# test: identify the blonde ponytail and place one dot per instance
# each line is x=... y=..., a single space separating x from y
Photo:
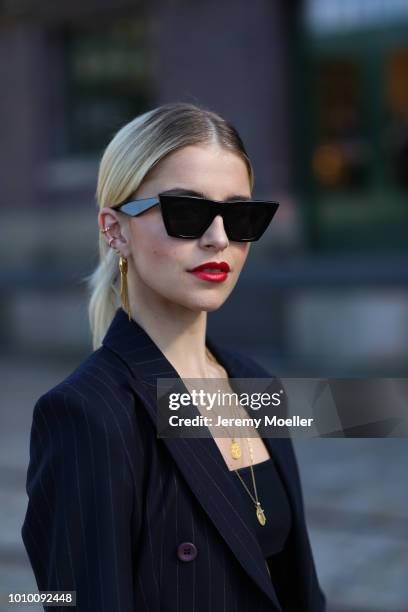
x=104 y=299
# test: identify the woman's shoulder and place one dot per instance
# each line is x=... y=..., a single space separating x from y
x=89 y=420
x=95 y=390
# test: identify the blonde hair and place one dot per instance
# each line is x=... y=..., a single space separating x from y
x=134 y=150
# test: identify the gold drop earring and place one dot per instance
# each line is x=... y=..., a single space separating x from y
x=123 y=267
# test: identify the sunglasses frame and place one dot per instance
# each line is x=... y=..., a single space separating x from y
x=134 y=208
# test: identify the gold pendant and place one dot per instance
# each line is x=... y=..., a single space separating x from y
x=235 y=450
x=260 y=514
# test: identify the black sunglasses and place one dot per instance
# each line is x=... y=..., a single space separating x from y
x=189 y=216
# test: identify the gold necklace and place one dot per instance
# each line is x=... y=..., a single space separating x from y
x=235 y=448
x=236 y=454
x=260 y=514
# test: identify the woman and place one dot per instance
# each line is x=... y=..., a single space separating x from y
x=129 y=520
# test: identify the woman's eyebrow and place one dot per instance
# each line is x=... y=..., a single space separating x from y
x=200 y=194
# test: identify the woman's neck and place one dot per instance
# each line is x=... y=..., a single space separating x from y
x=180 y=334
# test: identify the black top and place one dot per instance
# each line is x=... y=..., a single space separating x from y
x=273 y=535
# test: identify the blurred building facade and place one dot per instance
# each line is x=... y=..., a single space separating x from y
x=318 y=91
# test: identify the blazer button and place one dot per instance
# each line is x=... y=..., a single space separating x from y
x=186 y=551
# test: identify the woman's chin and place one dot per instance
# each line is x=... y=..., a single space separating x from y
x=208 y=305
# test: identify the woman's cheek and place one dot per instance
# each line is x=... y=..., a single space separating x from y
x=163 y=257
x=164 y=267
x=241 y=255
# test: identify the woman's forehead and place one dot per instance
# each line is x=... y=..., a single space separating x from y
x=177 y=190
x=203 y=172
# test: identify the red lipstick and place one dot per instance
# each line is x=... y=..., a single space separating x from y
x=212 y=271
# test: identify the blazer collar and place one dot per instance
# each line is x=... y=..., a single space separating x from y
x=214 y=488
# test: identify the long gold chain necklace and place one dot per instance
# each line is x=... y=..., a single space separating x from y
x=235 y=450
x=260 y=514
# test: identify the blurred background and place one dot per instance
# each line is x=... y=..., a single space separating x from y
x=318 y=90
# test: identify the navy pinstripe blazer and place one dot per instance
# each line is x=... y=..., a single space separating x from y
x=109 y=503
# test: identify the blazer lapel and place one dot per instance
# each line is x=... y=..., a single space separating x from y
x=198 y=459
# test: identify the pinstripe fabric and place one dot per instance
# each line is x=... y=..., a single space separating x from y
x=109 y=502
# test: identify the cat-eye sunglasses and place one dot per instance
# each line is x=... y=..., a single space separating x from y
x=186 y=216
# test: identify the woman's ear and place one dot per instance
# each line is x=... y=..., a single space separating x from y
x=114 y=227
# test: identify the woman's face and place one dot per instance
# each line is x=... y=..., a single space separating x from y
x=160 y=265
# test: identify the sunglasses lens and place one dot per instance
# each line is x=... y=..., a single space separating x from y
x=184 y=217
x=247 y=222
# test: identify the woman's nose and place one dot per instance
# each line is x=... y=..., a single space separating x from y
x=215 y=234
